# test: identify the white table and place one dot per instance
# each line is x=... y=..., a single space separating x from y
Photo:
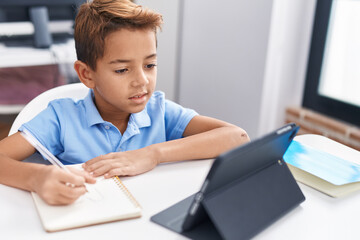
x=319 y=217
x=154 y=190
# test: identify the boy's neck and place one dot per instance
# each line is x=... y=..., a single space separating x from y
x=120 y=121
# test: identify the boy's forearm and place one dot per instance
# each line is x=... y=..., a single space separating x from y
x=18 y=174
x=200 y=146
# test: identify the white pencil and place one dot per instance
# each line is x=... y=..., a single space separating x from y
x=45 y=153
x=42 y=150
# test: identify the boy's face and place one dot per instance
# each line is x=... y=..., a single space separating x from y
x=125 y=76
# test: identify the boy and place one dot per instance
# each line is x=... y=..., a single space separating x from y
x=122 y=127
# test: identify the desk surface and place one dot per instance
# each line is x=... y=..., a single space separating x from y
x=319 y=217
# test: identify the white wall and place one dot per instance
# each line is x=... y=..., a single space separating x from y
x=223 y=53
x=237 y=60
x=289 y=43
x=168 y=44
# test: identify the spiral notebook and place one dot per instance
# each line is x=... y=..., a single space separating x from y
x=107 y=200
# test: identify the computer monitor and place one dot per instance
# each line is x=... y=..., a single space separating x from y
x=36 y=21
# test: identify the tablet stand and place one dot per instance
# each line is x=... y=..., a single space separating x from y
x=246 y=206
x=246 y=190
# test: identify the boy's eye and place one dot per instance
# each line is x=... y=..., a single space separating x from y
x=121 y=70
x=150 y=65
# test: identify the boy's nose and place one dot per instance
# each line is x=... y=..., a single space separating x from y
x=140 y=79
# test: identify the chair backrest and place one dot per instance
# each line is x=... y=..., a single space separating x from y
x=39 y=103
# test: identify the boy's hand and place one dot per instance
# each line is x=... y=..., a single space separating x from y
x=128 y=163
x=52 y=185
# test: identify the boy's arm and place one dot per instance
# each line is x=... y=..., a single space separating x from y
x=48 y=181
x=204 y=137
x=14 y=173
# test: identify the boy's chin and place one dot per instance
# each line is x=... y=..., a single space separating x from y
x=137 y=109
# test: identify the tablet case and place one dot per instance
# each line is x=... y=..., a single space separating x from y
x=244 y=206
x=247 y=206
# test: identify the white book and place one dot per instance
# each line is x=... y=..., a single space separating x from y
x=322 y=185
x=326 y=166
x=107 y=200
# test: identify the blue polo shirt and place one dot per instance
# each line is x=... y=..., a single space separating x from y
x=75 y=132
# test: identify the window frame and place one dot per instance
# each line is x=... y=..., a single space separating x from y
x=311 y=99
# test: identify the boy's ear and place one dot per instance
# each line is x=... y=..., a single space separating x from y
x=85 y=73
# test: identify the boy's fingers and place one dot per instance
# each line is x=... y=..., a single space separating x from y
x=65 y=195
x=64 y=200
x=72 y=178
x=89 y=178
x=101 y=170
x=72 y=193
x=99 y=158
x=110 y=167
x=85 y=174
x=59 y=200
x=120 y=171
x=95 y=166
x=96 y=159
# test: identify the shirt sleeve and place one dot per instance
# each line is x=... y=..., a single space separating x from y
x=45 y=127
x=176 y=119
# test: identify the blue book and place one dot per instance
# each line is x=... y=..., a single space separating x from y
x=323 y=171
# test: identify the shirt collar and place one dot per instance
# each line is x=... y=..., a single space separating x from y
x=140 y=119
x=92 y=114
x=136 y=121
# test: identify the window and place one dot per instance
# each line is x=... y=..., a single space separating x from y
x=333 y=75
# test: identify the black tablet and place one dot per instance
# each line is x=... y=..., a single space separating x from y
x=245 y=190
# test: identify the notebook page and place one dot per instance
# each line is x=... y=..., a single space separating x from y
x=106 y=201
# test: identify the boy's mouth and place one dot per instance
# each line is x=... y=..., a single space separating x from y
x=138 y=98
x=139 y=95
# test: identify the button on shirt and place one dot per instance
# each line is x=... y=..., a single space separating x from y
x=75 y=132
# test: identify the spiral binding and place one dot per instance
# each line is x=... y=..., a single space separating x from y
x=126 y=191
